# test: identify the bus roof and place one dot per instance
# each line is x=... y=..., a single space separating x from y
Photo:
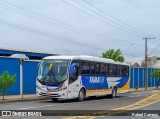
x=86 y=57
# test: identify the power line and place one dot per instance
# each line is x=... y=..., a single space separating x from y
x=154 y=49
x=117 y=20
x=42 y=33
x=29 y=13
x=102 y=20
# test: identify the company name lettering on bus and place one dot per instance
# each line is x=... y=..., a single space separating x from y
x=96 y=79
x=58 y=61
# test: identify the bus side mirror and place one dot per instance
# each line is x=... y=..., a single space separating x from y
x=73 y=70
x=38 y=66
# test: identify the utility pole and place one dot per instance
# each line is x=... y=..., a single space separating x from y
x=146 y=65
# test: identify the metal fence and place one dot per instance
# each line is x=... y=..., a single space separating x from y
x=30 y=68
x=137 y=77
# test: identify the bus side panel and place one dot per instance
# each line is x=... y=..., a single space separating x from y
x=99 y=85
x=95 y=85
x=125 y=87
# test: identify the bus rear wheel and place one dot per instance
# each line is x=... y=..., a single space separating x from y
x=114 y=92
x=81 y=95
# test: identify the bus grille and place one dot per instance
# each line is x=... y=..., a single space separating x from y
x=51 y=95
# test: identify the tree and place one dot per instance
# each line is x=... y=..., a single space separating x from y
x=114 y=55
x=6 y=81
x=156 y=74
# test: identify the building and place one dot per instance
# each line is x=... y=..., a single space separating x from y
x=33 y=55
x=152 y=62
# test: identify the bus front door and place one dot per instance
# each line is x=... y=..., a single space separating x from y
x=73 y=89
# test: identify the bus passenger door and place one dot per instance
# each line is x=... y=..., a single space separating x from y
x=73 y=84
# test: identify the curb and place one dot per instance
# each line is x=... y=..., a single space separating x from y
x=24 y=99
x=143 y=90
x=43 y=98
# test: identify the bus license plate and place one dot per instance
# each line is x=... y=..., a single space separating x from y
x=48 y=93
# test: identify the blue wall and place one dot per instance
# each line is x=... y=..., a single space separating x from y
x=137 y=77
x=29 y=77
x=30 y=68
x=13 y=67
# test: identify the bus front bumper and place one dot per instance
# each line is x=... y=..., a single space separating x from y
x=59 y=94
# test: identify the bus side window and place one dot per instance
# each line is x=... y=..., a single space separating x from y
x=125 y=70
x=114 y=69
x=85 y=68
x=74 y=75
x=118 y=70
x=102 y=69
x=110 y=69
x=107 y=69
x=97 y=70
x=92 y=68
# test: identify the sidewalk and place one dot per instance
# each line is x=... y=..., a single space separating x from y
x=143 y=89
x=17 y=98
x=33 y=97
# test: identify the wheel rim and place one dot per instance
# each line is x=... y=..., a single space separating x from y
x=114 y=92
x=81 y=94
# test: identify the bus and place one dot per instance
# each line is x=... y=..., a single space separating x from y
x=69 y=77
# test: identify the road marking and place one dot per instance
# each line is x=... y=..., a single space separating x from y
x=145 y=102
x=46 y=105
x=155 y=91
x=35 y=107
x=26 y=108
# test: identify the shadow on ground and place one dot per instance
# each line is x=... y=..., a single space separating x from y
x=74 y=100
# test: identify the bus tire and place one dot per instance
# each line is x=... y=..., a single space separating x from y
x=81 y=95
x=54 y=99
x=114 y=92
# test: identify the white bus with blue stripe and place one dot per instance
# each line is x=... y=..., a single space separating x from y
x=68 y=77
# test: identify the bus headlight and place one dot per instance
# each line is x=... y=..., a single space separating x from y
x=63 y=87
x=38 y=87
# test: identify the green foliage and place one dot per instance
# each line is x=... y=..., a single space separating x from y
x=6 y=81
x=114 y=55
x=156 y=74
x=136 y=88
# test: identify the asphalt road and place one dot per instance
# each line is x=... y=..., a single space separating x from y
x=98 y=103
x=144 y=111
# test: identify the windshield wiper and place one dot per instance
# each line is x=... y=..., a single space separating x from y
x=50 y=74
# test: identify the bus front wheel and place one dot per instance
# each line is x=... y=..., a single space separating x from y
x=81 y=95
x=54 y=99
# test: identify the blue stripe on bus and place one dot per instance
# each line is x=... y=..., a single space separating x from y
x=101 y=82
x=122 y=82
x=94 y=82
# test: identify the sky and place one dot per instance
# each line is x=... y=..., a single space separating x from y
x=81 y=27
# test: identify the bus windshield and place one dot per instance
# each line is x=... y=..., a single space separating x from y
x=53 y=71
